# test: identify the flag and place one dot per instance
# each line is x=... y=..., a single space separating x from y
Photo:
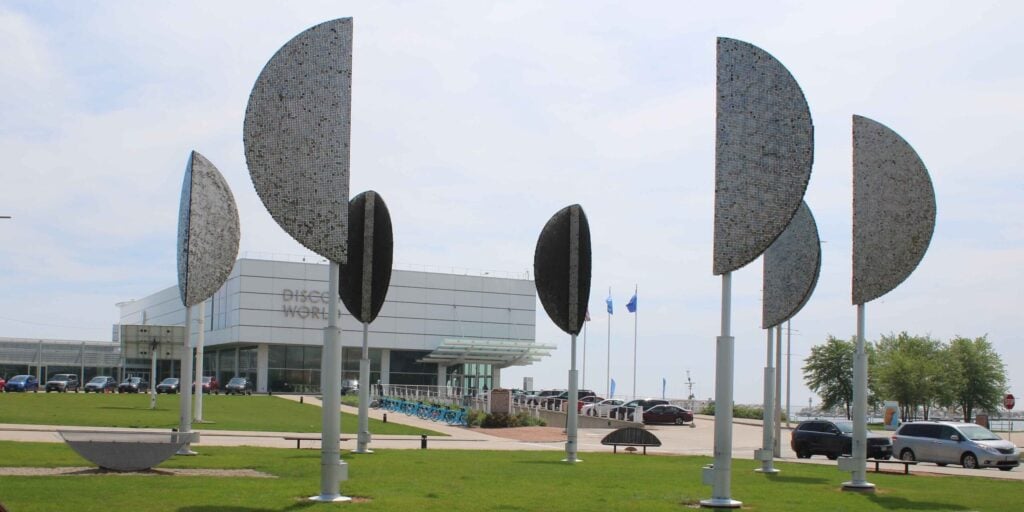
x=663 y=388
x=631 y=305
x=587 y=316
x=611 y=392
x=609 y=302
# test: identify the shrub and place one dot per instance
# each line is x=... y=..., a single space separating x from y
x=475 y=418
x=740 y=411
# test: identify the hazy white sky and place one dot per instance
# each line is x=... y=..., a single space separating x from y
x=477 y=121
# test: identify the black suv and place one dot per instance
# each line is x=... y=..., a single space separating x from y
x=833 y=439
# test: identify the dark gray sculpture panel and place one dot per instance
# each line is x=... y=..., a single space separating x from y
x=561 y=268
x=296 y=136
x=893 y=210
x=366 y=276
x=792 y=265
x=764 y=148
x=208 y=231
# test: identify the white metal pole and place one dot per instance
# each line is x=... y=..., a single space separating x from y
x=765 y=454
x=584 y=379
x=776 y=401
x=332 y=469
x=152 y=373
x=571 y=409
x=363 y=437
x=858 y=463
x=608 y=358
x=185 y=376
x=81 y=361
x=200 y=340
x=720 y=474
x=635 y=314
x=789 y=366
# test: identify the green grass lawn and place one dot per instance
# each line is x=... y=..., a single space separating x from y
x=454 y=480
x=223 y=412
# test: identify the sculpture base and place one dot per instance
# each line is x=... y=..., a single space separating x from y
x=859 y=486
x=330 y=498
x=720 y=503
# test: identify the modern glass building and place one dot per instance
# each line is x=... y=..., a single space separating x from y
x=267 y=322
x=45 y=358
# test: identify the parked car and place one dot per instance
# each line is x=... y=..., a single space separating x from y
x=668 y=414
x=168 y=385
x=601 y=408
x=3 y=382
x=587 y=400
x=833 y=439
x=133 y=385
x=626 y=409
x=101 y=384
x=210 y=385
x=538 y=398
x=349 y=386
x=62 y=383
x=552 y=400
x=943 y=442
x=238 y=386
x=22 y=383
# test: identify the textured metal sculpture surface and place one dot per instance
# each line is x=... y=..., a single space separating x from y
x=296 y=136
x=764 y=148
x=561 y=268
x=792 y=265
x=367 y=274
x=208 y=231
x=126 y=451
x=893 y=209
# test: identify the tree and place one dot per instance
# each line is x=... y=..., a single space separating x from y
x=908 y=369
x=978 y=375
x=829 y=373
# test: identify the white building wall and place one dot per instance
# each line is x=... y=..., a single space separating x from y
x=280 y=302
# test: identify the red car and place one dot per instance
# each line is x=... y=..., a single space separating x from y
x=668 y=414
x=3 y=381
x=210 y=385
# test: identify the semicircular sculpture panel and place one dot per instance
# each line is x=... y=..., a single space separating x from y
x=562 y=266
x=366 y=276
x=208 y=231
x=296 y=136
x=764 y=149
x=893 y=209
x=792 y=265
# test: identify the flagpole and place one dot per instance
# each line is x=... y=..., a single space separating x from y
x=608 y=359
x=635 y=313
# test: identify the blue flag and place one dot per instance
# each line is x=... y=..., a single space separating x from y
x=609 y=302
x=611 y=392
x=663 y=388
x=631 y=305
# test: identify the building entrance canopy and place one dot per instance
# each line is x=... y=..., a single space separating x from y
x=498 y=353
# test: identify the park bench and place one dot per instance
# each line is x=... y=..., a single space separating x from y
x=630 y=436
x=906 y=464
x=299 y=439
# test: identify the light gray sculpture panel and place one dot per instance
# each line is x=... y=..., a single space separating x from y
x=126 y=451
x=893 y=209
x=296 y=136
x=764 y=148
x=208 y=231
x=792 y=265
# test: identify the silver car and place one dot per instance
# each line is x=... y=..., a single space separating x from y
x=942 y=442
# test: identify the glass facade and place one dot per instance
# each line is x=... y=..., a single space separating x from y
x=470 y=378
x=406 y=370
x=293 y=368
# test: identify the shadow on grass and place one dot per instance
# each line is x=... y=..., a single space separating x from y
x=897 y=503
x=798 y=479
x=222 y=508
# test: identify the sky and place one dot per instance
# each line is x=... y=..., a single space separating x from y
x=477 y=121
